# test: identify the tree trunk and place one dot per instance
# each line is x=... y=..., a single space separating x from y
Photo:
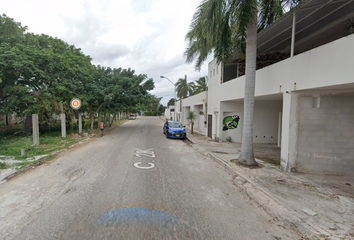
x=247 y=154
x=92 y=120
x=6 y=120
x=192 y=129
x=112 y=120
x=95 y=114
x=99 y=120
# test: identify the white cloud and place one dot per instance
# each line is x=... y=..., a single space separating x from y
x=145 y=35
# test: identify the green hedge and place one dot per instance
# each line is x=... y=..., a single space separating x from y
x=150 y=114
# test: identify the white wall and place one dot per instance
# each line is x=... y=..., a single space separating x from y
x=196 y=103
x=266 y=120
x=328 y=65
x=265 y=127
x=231 y=108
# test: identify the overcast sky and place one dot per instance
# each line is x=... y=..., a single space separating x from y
x=145 y=35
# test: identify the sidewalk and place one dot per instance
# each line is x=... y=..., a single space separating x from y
x=315 y=206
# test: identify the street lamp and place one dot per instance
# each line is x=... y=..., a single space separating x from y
x=174 y=95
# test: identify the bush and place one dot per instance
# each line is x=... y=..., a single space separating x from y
x=150 y=114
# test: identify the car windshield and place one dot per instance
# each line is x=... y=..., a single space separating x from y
x=175 y=125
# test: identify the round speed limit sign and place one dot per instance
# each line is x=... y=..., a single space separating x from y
x=75 y=103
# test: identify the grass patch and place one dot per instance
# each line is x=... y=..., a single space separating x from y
x=49 y=139
x=3 y=165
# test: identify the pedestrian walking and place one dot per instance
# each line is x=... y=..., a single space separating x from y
x=102 y=126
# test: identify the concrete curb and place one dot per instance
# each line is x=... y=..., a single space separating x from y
x=263 y=198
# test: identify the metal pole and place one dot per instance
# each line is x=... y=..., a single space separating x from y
x=175 y=102
x=293 y=35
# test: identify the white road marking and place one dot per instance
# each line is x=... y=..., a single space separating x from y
x=138 y=163
x=147 y=153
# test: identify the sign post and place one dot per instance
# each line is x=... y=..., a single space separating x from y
x=75 y=104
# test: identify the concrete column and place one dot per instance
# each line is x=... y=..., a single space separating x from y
x=279 y=129
x=35 y=129
x=63 y=125
x=80 y=123
x=99 y=120
x=289 y=131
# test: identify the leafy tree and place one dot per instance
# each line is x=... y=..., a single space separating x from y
x=184 y=88
x=41 y=74
x=152 y=103
x=118 y=90
x=171 y=102
x=161 y=109
x=191 y=118
x=226 y=27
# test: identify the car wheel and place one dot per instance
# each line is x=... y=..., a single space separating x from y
x=163 y=131
x=166 y=135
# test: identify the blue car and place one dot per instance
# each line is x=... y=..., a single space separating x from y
x=174 y=129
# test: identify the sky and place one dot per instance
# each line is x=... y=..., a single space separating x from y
x=147 y=36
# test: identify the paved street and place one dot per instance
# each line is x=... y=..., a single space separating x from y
x=132 y=183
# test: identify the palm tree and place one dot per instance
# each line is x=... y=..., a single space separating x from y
x=229 y=27
x=201 y=85
x=191 y=118
x=184 y=89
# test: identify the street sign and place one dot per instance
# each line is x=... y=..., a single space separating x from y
x=75 y=103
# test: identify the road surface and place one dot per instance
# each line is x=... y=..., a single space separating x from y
x=132 y=183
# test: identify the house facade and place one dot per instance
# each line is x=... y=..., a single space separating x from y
x=304 y=96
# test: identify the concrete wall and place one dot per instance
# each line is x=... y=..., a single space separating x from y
x=328 y=65
x=231 y=108
x=326 y=68
x=196 y=103
x=199 y=122
x=266 y=116
x=325 y=133
x=266 y=120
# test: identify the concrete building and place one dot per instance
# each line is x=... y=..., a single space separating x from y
x=304 y=96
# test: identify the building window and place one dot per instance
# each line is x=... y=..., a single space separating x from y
x=217 y=70
x=211 y=74
x=214 y=72
x=230 y=72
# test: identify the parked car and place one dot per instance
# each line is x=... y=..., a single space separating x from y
x=174 y=129
x=132 y=117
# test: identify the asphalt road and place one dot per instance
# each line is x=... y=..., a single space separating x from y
x=101 y=191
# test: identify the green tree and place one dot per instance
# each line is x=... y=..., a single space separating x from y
x=171 y=102
x=226 y=27
x=201 y=85
x=184 y=88
x=191 y=118
x=161 y=109
x=41 y=74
